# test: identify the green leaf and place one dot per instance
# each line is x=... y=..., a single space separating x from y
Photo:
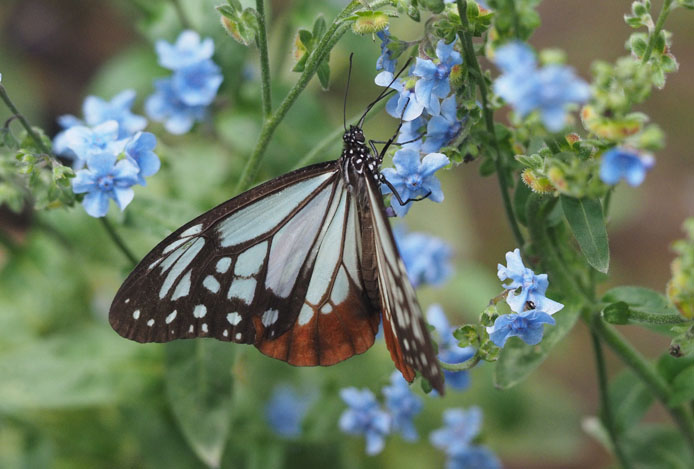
x=324 y=74
x=487 y=167
x=319 y=27
x=640 y=299
x=630 y=400
x=199 y=390
x=657 y=447
x=670 y=367
x=588 y=226
x=518 y=359
x=682 y=388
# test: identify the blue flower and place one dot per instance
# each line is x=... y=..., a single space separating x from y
x=434 y=80
x=449 y=351
x=532 y=287
x=187 y=50
x=103 y=180
x=404 y=103
x=427 y=258
x=412 y=132
x=286 y=410
x=527 y=88
x=403 y=405
x=622 y=163
x=413 y=178
x=197 y=84
x=456 y=437
x=97 y=110
x=528 y=325
x=81 y=142
x=443 y=128
x=385 y=60
x=139 y=151
x=166 y=106
x=365 y=417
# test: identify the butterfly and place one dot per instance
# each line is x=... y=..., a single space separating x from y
x=303 y=266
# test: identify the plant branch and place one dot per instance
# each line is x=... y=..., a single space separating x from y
x=118 y=241
x=264 y=59
x=655 y=318
x=653 y=37
x=471 y=58
x=644 y=370
x=607 y=415
x=466 y=365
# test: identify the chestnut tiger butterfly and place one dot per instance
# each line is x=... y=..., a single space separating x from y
x=303 y=266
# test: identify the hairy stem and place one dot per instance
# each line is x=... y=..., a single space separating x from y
x=653 y=37
x=118 y=241
x=655 y=318
x=607 y=415
x=337 y=29
x=466 y=365
x=471 y=59
x=264 y=59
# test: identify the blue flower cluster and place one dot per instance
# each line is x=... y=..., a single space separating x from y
x=623 y=163
x=528 y=88
x=526 y=297
x=182 y=99
x=109 y=150
x=365 y=416
x=456 y=439
x=427 y=258
x=430 y=120
x=449 y=352
x=286 y=410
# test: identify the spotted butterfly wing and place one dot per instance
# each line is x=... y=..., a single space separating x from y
x=300 y=266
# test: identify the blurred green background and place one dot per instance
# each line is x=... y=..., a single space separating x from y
x=74 y=394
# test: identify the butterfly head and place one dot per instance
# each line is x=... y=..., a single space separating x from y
x=354 y=136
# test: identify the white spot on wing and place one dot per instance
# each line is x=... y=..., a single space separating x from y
x=270 y=317
x=127 y=300
x=238 y=336
x=340 y=287
x=211 y=284
x=234 y=318
x=327 y=308
x=190 y=329
x=250 y=261
x=305 y=315
x=204 y=327
x=171 y=317
x=150 y=323
x=183 y=287
x=243 y=289
x=136 y=314
x=174 y=245
x=223 y=265
x=225 y=333
x=200 y=311
x=193 y=230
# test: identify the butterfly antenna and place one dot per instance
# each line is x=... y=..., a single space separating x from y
x=385 y=92
x=344 y=105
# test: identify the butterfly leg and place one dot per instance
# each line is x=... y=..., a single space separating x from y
x=382 y=179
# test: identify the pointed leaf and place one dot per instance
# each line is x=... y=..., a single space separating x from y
x=199 y=390
x=324 y=74
x=588 y=226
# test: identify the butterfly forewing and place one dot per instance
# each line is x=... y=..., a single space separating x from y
x=404 y=329
x=263 y=268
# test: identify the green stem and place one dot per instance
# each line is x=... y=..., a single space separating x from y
x=662 y=16
x=181 y=14
x=118 y=240
x=515 y=18
x=339 y=26
x=466 y=365
x=264 y=59
x=607 y=415
x=644 y=370
x=335 y=135
x=471 y=59
x=34 y=136
x=655 y=318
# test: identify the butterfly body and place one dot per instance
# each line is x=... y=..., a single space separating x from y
x=304 y=267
